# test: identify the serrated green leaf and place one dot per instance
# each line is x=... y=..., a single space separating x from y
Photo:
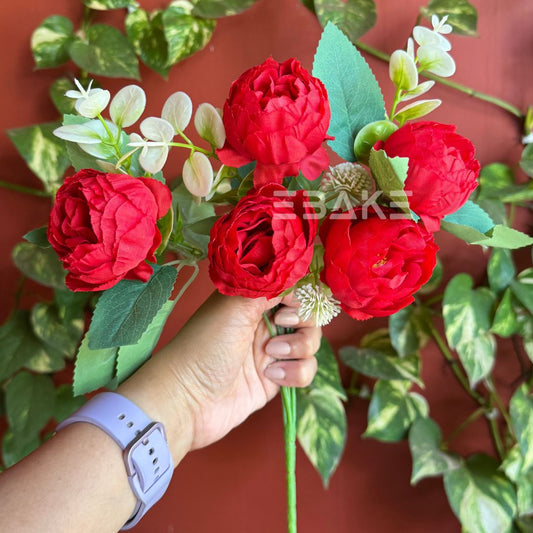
x=428 y=459
x=505 y=322
x=354 y=95
x=220 y=8
x=498 y=237
x=390 y=174
x=130 y=358
x=29 y=402
x=471 y=215
x=105 y=51
x=500 y=269
x=18 y=343
x=124 y=311
x=15 y=447
x=406 y=329
x=521 y=411
x=462 y=15
x=467 y=323
x=43 y=152
x=379 y=365
x=526 y=160
x=353 y=17
x=50 y=42
x=481 y=497
x=522 y=288
x=39 y=264
x=61 y=335
x=104 y=5
x=146 y=34
x=392 y=410
x=185 y=33
x=94 y=368
x=66 y=403
x=321 y=429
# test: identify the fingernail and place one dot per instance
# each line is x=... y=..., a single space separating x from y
x=275 y=373
x=278 y=348
x=286 y=319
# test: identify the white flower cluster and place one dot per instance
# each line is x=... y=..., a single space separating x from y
x=106 y=140
x=317 y=301
x=431 y=56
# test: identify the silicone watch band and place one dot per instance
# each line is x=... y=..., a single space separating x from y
x=146 y=455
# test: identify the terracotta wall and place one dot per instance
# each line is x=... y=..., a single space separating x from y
x=237 y=485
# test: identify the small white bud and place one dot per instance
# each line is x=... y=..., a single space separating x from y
x=318 y=302
x=157 y=129
x=209 y=125
x=198 y=174
x=127 y=106
x=436 y=61
x=424 y=36
x=402 y=70
x=178 y=110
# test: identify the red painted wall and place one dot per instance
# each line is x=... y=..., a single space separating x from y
x=237 y=485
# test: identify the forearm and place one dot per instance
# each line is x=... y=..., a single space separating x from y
x=77 y=480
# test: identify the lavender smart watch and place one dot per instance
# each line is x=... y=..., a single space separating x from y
x=146 y=455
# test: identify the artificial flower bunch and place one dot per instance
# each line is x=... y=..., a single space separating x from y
x=356 y=235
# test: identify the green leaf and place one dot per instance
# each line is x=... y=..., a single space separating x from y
x=66 y=403
x=376 y=364
x=321 y=429
x=185 y=33
x=521 y=411
x=94 y=368
x=15 y=447
x=29 y=401
x=505 y=322
x=353 y=17
x=61 y=335
x=50 y=42
x=130 y=358
x=428 y=459
x=104 y=5
x=38 y=236
x=18 y=343
x=470 y=214
x=481 y=497
x=220 y=8
x=392 y=410
x=467 y=319
x=498 y=237
x=43 y=152
x=526 y=161
x=500 y=269
x=124 y=311
x=146 y=34
x=354 y=95
x=327 y=377
x=390 y=174
x=39 y=264
x=462 y=15
x=63 y=104
x=105 y=51
x=522 y=288
x=493 y=179
x=406 y=328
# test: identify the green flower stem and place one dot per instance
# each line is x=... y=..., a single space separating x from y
x=454 y=85
x=288 y=400
x=500 y=405
x=25 y=190
x=191 y=147
x=471 y=418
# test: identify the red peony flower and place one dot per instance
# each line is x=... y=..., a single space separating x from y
x=442 y=169
x=373 y=266
x=103 y=228
x=264 y=245
x=278 y=115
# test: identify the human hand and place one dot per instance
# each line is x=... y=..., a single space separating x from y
x=226 y=366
